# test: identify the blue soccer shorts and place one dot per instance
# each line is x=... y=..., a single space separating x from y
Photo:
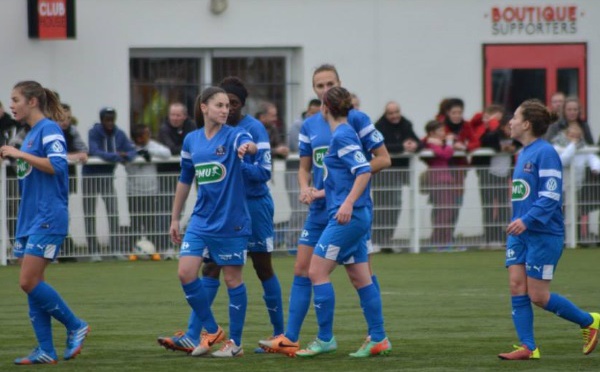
x=538 y=252
x=261 y=213
x=222 y=251
x=45 y=246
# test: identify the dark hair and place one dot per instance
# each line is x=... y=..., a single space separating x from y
x=326 y=67
x=314 y=102
x=48 y=102
x=235 y=85
x=263 y=108
x=203 y=98
x=66 y=106
x=535 y=112
x=338 y=101
x=453 y=102
x=432 y=125
x=138 y=130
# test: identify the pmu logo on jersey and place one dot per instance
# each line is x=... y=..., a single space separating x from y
x=319 y=156
x=220 y=151
x=209 y=173
x=23 y=169
x=520 y=189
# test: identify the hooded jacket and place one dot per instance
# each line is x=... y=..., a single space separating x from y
x=107 y=147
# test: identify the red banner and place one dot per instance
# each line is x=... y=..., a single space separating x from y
x=52 y=18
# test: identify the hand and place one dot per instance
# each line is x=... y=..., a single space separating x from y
x=517 y=227
x=174 y=232
x=459 y=146
x=344 y=214
x=9 y=151
x=281 y=151
x=243 y=149
x=306 y=195
x=434 y=141
x=145 y=154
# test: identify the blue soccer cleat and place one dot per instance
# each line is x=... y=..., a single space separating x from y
x=38 y=356
x=75 y=340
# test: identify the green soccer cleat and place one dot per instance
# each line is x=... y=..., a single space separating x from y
x=590 y=334
x=521 y=353
x=371 y=348
x=318 y=347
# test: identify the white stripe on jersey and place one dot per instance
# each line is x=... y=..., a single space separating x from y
x=263 y=146
x=550 y=173
x=366 y=130
x=303 y=138
x=353 y=169
x=551 y=195
x=347 y=150
x=53 y=137
x=185 y=155
x=57 y=155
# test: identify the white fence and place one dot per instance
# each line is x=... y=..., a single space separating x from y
x=472 y=211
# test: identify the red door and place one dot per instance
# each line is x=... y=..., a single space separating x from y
x=516 y=72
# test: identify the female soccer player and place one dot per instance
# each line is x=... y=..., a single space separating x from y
x=220 y=223
x=314 y=139
x=43 y=218
x=257 y=172
x=344 y=241
x=536 y=234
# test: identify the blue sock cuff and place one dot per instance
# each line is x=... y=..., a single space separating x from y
x=367 y=290
x=38 y=288
x=272 y=281
x=237 y=290
x=522 y=300
x=210 y=282
x=302 y=280
x=192 y=286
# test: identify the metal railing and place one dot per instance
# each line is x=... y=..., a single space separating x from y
x=415 y=209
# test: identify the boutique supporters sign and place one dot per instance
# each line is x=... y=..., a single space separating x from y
x=534 y=20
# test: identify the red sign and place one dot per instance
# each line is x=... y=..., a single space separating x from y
x=52 y=18
x=531 y=20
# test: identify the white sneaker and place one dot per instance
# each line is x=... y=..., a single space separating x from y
x=229 y=350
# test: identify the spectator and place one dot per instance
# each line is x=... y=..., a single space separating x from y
x=440 y=183
x=142 y=186
x=567 y=143
x=494 y=176
x=171 y=134
x=9 y=128
x=110 y=144
x=77 y=150
x=557 y=103
x=355 y=101
x=267 y=115
x=399 y=138
x=571 y=115
x=314 y=105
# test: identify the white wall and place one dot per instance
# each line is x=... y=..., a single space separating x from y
x=412 y=51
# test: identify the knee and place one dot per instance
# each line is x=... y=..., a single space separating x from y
x=301 y=268
x=232 y=280
x=317 y=276
x=517 y=287
x=264 y=270
x=539 y=299
x=186 y=276
x=211 y=270
x=28 y=284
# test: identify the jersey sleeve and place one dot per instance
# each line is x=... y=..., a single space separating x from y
x=55 y=148
x=187 y=165
x=549 y=190
x=258 y=167
x=348 y=149
x=370 y=137
x=304 y=145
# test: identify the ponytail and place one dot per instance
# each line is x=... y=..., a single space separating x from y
x=54 y=109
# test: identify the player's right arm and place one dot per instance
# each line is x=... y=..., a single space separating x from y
x=182 y=191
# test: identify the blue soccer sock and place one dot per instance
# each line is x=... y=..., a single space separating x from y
x=370 y=301
x=272 y=297
x=300 y=295
x=522 y=314
x=564 y=308
x=324 y=304
x=238 y=301
x=211 y=287
x=376 y=282
x=50 y=301
x=42 y=326
x=197 y=299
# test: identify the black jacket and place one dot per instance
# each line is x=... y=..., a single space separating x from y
x=173 y=139
x=394 y=136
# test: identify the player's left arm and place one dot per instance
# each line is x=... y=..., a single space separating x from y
x=381 y=159
x=244 y=145
x=371 y=139
x=549 y=190
x=259 y=170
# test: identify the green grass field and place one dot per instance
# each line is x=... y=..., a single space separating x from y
x=447 y=311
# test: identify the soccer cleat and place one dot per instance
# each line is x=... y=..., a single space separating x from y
x=207 y=340
x=318 y=347
x=229 y=350
x=372 y=348
x=521 y=353
x=75 y=340
x=179 y=342
x=38 y=356
x=590 y=334
x=280 y=344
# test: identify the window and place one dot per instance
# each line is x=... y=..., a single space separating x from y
x=159 y=77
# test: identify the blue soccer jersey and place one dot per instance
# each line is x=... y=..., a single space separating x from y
x=257 y=167
x=314 y=139
x=537 y=189
x=44 y=207
x=221 y=208
x=343 y=162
